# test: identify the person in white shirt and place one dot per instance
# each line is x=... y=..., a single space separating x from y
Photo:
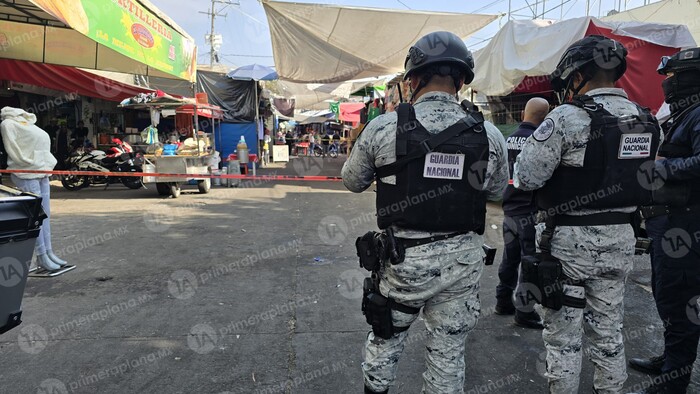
x=28 y=148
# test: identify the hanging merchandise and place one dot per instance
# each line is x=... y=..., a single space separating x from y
x=104 y=122
x=149 y=135
x=335 y=108
x=155 y=116
x=261 y=129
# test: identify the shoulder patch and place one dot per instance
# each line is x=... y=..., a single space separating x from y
x=544 y=131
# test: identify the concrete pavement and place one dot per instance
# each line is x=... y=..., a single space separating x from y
x=248 y=290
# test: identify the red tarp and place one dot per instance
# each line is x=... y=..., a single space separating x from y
x=641 y=81
x=203 y=112
x=67 y=79
x=350 y=112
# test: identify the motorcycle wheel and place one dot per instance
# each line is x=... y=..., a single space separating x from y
x=318 y=152
x=333 y=154
x=74 y=182
x=204 y=186
x=133 y=182
x=163 y=189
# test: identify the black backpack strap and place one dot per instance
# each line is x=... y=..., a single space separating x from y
x=405 y=123
x=472 y=120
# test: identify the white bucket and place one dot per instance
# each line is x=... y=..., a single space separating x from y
x=216 y=181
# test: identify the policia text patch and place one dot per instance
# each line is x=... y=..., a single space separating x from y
x=634 y=146
x=443 y=165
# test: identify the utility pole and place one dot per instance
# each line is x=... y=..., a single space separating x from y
x=215 y=40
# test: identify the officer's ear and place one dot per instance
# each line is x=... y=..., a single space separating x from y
x=460 y=84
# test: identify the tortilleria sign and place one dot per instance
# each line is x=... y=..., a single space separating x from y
x=131 y=29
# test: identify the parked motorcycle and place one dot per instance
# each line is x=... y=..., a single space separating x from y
x=332 y=150
x=120 y=158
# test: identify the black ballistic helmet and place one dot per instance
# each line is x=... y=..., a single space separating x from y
x=601 y=52
x=440 y=47
x=680 y=61
x=682 y=87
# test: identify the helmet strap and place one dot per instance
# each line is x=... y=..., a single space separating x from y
x=423 y=83
x=584 y=81
x=428 y=76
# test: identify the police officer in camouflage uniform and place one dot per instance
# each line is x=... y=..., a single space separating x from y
x=584 y=165
x=435 y=204
x=673 y=223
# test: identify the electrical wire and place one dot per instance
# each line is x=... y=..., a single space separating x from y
x=404 y=4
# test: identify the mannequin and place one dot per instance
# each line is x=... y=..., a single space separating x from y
x=28 y=148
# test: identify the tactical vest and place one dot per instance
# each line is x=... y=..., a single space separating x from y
x=439 y=177
x=674 y=150
x=618 y=150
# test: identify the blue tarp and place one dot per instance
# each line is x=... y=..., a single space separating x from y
x=228 y=135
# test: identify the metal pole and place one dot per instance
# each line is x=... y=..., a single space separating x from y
x=561 y=10
x=211 y=35
x=544 y=8
x=509 y=8
x=588 y=7
x=257 y=113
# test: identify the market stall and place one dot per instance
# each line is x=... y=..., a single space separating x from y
x=507 y=65
x=184 y=159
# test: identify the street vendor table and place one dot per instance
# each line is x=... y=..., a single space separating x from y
x=303 y=147
x=200 y=158
x=251 y=156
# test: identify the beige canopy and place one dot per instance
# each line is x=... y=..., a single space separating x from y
x=321 y=43
x=675 y=12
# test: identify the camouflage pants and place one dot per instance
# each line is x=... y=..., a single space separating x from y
x=601 y=257
x=442 y=278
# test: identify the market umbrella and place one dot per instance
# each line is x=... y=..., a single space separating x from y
x=255 y=72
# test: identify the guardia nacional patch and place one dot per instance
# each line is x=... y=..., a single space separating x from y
x=544 y=131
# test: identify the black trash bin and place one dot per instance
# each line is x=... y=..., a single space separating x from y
x=20 y=221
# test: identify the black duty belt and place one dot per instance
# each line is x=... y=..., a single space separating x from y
x=659 y=210
x=596 y=219
x=413 y=242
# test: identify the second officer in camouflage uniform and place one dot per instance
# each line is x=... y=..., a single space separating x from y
x=439 y=276
x=590 y=187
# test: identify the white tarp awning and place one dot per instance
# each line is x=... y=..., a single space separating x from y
x=316 y=96
x=321 y=43
x=680 y=12
x=533 y=48
x=308 y=117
